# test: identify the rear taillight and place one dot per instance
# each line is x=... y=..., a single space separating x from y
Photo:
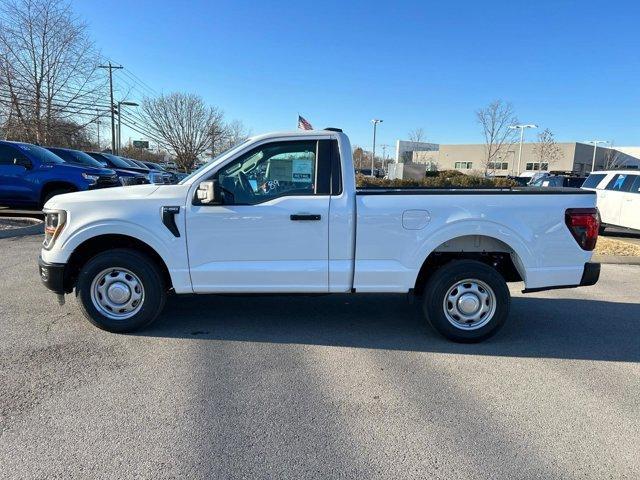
x=584 y=224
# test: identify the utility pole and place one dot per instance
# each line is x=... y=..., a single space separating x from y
x=113 y=120
x=98 y=123
x=595 y=147
x=375 y=122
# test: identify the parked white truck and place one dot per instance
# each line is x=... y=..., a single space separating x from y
x=281 y=213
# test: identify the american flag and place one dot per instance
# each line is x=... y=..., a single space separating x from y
x=303 y=124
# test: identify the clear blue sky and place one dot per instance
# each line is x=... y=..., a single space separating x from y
x=571 y=66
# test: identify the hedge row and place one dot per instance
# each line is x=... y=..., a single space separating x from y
x=444 y=179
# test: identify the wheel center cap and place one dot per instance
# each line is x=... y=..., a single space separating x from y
x=118 y=292
x=468 y=304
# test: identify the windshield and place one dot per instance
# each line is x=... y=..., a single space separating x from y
x=117 y=161
x=132 y=163
x=77 y=157
x=214 y=159
x=41 y=154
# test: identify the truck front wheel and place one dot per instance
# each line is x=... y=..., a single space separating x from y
x=466 y=301
x=120 y=290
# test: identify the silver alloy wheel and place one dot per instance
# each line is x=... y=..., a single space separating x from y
x=117 y=293
x=469 y=304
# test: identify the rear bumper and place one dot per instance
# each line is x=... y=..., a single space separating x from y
x=52 y=275
x=590 y=276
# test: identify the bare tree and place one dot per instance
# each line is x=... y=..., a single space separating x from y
x=359 y=158
x=495 y=120
x=183 y=123
x=227 y=135
x=546 y=150
x=612 y=159
x=417 y=135
x=48 y=70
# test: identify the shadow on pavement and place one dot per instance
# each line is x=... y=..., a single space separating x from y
x=537 y=327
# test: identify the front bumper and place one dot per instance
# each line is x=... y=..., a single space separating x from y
x=590 y=276
x=52 y=276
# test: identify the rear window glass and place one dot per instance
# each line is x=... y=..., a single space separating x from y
x=593 y=180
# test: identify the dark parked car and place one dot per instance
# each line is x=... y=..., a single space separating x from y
x=157 y=166
x=168 y=176
x=114 y=161
x=76 y=157
x=572 y=181
x=30 y=175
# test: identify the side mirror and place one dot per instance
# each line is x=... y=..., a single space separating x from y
x=23 y=162
x=104 y=164
x=208 y=193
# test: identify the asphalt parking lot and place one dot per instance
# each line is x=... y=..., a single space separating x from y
x=324 y=387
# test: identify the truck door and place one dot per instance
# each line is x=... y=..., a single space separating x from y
x=630 y=213
x=610 y=199
x=270 y=232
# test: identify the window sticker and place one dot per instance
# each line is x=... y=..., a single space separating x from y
x=301 y=170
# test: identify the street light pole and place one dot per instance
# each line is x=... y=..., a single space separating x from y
x=521 y=127
x=130 y=104
x=595 y=147
x=375 y=122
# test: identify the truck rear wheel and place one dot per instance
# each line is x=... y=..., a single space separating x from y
x=466 y=301
x=120 y=290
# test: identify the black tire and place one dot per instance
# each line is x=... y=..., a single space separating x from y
x=49 y=195
x=481 y=276
x=149 y=276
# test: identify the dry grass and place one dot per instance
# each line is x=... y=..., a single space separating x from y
x=611 y=246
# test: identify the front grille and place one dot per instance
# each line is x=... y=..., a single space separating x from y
x=105 y=181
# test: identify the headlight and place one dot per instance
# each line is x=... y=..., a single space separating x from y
x=54 y=221
x=155 y=178
x=91 y=178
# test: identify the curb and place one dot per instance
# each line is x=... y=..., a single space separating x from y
x=616 y=260
x=36 y=229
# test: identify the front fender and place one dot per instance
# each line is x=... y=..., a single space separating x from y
x=171 y=249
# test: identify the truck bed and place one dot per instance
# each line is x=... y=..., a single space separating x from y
x=472 y=191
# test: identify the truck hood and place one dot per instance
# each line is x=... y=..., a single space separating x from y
x=114 y=194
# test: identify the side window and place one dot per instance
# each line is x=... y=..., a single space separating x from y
x=8 y=154
x=269 y=171
x=628 y=183
x=635 y=188
x=616 y=182
x=593 y=180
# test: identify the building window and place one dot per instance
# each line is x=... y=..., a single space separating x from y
x=498 y=166
x=463 y=165
x=535 y=166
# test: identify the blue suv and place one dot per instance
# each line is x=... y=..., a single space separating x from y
x=30 y=175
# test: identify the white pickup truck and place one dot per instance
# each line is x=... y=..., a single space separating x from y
x=281 y=213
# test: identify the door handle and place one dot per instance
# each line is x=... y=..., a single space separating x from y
x=300 y=216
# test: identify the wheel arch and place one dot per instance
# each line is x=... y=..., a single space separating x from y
x=55 y=185
x=487 y=249
x=104 y=242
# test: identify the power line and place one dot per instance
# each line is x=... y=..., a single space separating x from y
x=72 y=103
